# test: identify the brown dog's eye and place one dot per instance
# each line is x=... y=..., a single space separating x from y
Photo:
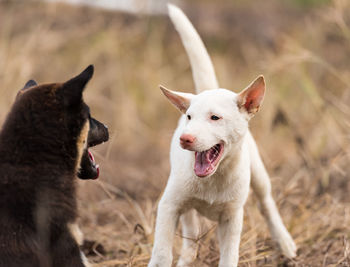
x=214 y=118
x=188 y=117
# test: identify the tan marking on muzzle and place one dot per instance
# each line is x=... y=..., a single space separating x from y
x=82 y=143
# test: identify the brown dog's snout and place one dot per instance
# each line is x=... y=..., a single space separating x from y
x=187 y=140
x=98 y=133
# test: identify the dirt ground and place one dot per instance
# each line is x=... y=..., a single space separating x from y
x=303 y=129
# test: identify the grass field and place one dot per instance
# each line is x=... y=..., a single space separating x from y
x=303 y=130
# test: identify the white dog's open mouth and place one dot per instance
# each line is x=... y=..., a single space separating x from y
x=207 y=161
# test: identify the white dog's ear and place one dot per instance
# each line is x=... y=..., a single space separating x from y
x=250 y=99
x=180 y=100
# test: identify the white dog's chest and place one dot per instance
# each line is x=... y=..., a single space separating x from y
x=221 y=192
x=211 y=198
x=211 y=211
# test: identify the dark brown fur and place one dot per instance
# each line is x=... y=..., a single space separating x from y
x=38 y=159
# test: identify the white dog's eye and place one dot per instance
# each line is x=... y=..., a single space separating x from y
x=188 y=117
x=214 y=118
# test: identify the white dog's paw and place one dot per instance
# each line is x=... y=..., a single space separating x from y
x=187 y=257
x=158 y=264
x=184 y=262
x=160 y=261
x=287 y=245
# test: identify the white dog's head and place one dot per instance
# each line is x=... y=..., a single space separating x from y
x=216 y=120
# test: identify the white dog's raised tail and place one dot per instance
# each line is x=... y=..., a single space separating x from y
x=202 y=67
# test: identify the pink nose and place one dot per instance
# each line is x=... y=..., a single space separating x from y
x=187 y=139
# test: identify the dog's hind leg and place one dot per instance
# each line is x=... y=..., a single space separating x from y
x=229 y=234
x=262 y=188
x=190 y=231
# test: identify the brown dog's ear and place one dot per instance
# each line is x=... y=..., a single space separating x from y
x=30 y=83
x=72 y=90
x=250 y=99
x=180 y=100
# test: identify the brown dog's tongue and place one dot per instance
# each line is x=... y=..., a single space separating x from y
x=94 y=163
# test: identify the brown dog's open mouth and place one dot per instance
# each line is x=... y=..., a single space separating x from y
x=98 y=134
x=88 y=167
x=207 y=161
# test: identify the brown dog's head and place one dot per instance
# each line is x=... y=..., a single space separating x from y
x=52 y=126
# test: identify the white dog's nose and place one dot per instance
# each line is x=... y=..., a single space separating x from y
x=187 y=140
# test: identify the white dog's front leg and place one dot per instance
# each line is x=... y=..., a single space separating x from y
x=167 y=218
x=229 y=233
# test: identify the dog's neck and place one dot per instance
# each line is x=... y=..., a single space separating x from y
x=232 y=159
x=25 y=150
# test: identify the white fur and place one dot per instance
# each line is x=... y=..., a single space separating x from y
x=79 y=238
x=151 y=7
x=202 y=69
x=221 y=195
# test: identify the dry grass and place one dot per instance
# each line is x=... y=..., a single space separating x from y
x=302 y=130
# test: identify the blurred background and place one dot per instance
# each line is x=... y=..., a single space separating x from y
x=303 y=129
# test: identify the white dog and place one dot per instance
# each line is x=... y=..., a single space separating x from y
x=213 y=156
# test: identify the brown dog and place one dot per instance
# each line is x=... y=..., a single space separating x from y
x=43 y=146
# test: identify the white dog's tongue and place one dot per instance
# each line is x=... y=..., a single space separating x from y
x=202 y=165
